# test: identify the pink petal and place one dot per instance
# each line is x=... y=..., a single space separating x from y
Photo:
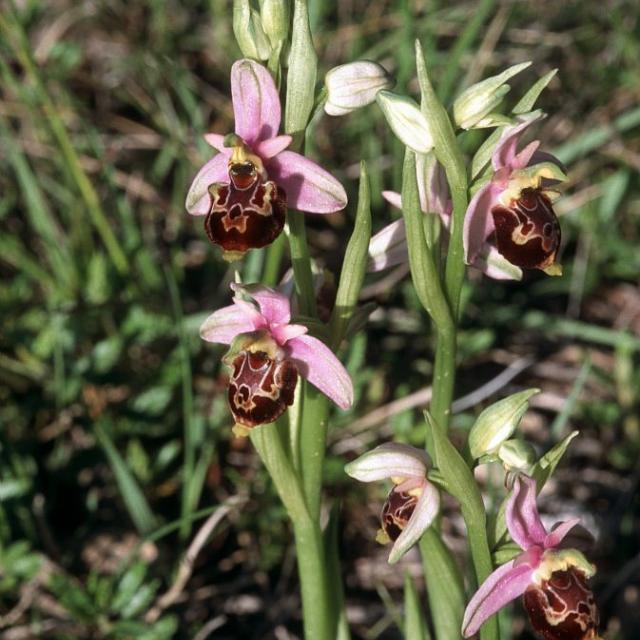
x=478 y=221
x=423 y=515
x=493 y=264
x=308 y=186
x=216 y=140
x=274 y=306
x=225 y=324
x=505 y=151
x=282 y=333
x=523 y=519
x=272 y=147
x=505 y=584
x=388 y=247
x=555 y=537
x=522 y=159
x=198 y=200
x=389 y=460
x=317 y=363
x=393 y=198
x=256 y=104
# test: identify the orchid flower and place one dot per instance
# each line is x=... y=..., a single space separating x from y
x=388 y=247
x=412 y=504
x=244 y=190
x=516 y=205
x=556 y=595
x=268 y=353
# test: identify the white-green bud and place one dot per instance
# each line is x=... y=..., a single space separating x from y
x=498 y=422
x=474 y=105
x=406 y=120
x=275 y=20
x=354 y=85
x=517 y=454
x=247 y=28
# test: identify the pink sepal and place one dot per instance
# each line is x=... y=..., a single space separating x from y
x=505 y=584
x=308 y=186
x=523 y=519
x=198 y=200
x=318 y=364
x=256 y=104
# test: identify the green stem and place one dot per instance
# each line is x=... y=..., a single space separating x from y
x=444 y=376
x=272 y=262
x=313 y=443
x=319 y=623
x=301 y=264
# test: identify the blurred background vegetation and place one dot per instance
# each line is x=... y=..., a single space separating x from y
x=115 y=440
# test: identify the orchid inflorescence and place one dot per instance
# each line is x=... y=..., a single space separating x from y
x=506 y=224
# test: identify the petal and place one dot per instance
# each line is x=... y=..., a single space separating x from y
x=389 y=460
x=198 y=200
x=272 y=147
x=216 y=140
x=478 y=221
x=423 y=515
x=492 y=263
x=522 y=159
x=256 y=104
x=317 y=363
x=523 y=519
x=285 y=332
x=225 y=324
x=274 y=306
x=557 y=534
x=307 y=185
x=388 y=247
x=504 y=585
x=393 y=198
x=505 y=152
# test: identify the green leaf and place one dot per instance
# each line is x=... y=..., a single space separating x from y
x=529 y=98
x=354 y=264
x=134 y=499
x=415 y=627
x=444 y=585
x=128 y=585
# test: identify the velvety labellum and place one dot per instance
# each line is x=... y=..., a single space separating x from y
x=527 y=232
x=246 y=213
x=396 y=512
x=563 y=607
x=260 y=388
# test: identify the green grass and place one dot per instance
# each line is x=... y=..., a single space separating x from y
x=113 y=416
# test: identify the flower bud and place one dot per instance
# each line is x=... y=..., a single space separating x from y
x=354 y=85
x=247 y=28
x=478 y=101
x=406 y=120
x=517 y=454
x=563 y=607
x=275 y=20
x=498 y=422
